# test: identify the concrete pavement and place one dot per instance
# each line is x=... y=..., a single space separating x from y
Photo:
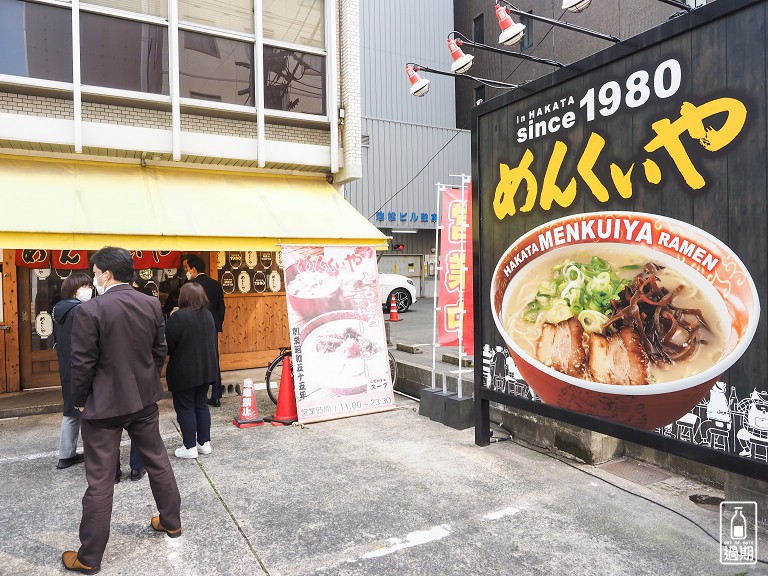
x=385 y=494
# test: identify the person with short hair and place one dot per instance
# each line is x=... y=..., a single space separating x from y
x=192 y=367
x=75 y=290
x=194 y=267
x=118 y=351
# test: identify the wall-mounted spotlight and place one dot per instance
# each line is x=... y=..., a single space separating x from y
x=511 y=32
x=576 y=5
x=504 y=11
x=580 y=5
x=461 y=62
x=419 y=85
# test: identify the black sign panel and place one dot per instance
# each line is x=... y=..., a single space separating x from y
x=620 y=241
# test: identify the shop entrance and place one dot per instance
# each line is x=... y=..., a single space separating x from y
x=38 y=291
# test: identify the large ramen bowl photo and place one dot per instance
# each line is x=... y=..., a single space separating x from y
x=626 y=316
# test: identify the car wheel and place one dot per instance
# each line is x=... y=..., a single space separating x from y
x=402 y=299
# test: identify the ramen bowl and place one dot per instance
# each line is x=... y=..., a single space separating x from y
x=311 y=293
x=343 y=366
x=704 y=261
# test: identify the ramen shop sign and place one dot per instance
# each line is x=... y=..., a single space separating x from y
x=693 y=125
x=612 y=229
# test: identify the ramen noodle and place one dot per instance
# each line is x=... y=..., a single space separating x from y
x=587 y=284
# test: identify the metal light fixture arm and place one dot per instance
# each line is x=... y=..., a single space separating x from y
x=461 y=39
x=490 y=83
x=676 y=4
x=560 y=23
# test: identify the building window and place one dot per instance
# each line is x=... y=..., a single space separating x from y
x=148 y=7
x=123 y=54
x=35 y=41
x=527 y=40
x=295 y=21
x=479 y=95
x=216 y=69
x=478 y=32
x=235 y=15
x=294 y=81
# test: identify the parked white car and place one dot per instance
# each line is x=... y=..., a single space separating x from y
x=401 y=287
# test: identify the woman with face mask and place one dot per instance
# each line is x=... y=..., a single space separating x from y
x=75 y=289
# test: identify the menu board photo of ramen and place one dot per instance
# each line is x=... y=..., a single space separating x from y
x=338 y=340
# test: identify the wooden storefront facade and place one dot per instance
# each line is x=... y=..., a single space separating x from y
x=255 y=326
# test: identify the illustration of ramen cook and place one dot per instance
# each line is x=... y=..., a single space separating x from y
x=613 y=321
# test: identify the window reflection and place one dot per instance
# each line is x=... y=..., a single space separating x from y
x=124 y=54
x=236 y=15
x=35 y=41
x=150 y=7
x=215 y=69
x=296 y=21
x=294 y=81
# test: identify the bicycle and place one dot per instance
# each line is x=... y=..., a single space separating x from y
x=285 y=351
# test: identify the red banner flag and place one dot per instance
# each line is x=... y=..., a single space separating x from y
x=70 y=259
x=33 y=258
x=143 y=259
x=455 y=298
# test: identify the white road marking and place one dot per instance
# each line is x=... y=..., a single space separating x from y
x=412 y=539
x=510 y=511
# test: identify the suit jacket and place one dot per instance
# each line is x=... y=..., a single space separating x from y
x=192 y=341
x=215 y=298
x=118 y=350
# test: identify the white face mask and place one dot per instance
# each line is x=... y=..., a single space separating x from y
x=84 y=294
x=100 y=288
x=189 y=275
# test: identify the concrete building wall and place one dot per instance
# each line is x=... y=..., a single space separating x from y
x=409 y=144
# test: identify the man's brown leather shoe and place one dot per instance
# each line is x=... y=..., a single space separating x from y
x=69 y=558
x=160 y=528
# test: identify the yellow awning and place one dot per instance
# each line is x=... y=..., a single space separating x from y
x=83 y=205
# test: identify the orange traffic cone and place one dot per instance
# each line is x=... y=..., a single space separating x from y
x=393 y=315
x=286 y=398
x=249 y=413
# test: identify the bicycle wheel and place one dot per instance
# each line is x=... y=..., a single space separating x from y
x=268 y=377
x=392 y=368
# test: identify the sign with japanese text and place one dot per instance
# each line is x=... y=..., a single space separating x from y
x=620 y=241
x=455 y=298
x=33 y=258
x=338 y=341
x=145 y=259
x=70 y=260
x=250 y=272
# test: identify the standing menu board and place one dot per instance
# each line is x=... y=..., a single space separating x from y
x=340 y=358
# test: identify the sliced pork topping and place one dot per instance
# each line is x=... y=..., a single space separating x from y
x=618 y=358
x=561 y=347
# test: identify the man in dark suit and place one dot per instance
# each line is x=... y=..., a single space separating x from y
x=118 y=350
x=194 y=268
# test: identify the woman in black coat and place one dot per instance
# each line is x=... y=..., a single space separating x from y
x=192 y=367
x=75 y=289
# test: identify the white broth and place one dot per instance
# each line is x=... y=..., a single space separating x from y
x=698 y=293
